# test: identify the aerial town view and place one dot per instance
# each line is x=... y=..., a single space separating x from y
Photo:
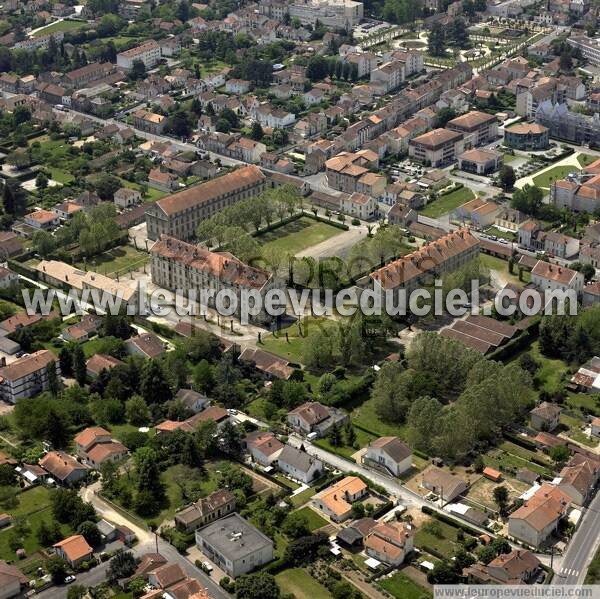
x=299 y=299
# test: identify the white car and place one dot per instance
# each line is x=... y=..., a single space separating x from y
x=69 y=579
x=232 y=411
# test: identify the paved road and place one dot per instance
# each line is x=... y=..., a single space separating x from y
x=582 y=548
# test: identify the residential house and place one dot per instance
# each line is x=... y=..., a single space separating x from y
x=263 y=447
x=550 y=277
x=336 y=501
x=527 y=136
x=517 y=567
x=149 y=121
x=63 y=468
x=7 y=278
x=314 y=417
x=162 y=180
x=299 y=465
x=43 y=220
x=126 y=197
x=67 y=209
x=390 y=542
x=99 y=362
x=478 y=212
x=579 y=480
x=83 y=330
x=146 y=345
x=389 y=454
x=545 y=417
x=353 y=535
x=443 y=483
x=74 y=550
x=402 y=215
x=192 y=400
x=538 y=518
x=96 y=447
x=217 y=505
x=234 y=545
x=359 y=205
x=13 y=581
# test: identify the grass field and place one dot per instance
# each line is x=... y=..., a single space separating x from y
x=444 y=543
x=298 y=235
x=33 y=508
x=314 y=520
x=448 y=202
x=584 y=401
x=586 y=159
x=402 y=587
x=366 y=416
x=512 y=457
x=362 y=440
x=116 y=260
x=509 y=235
x=574 y=431
x=293 y=348
x=151 y=193
x=554 y=174
x=499 y=265
x=60 y=26
x=301 y=585
x=551 y=372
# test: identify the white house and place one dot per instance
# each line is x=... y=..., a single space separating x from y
x=299 y=465
x=389 y=454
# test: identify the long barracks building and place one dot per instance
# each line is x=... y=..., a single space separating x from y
x=178 y=215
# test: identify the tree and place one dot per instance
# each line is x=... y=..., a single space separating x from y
x=507 y=177
x=587 y=270
x=13 y=198
x=154 y=386
x=528 y=200
x=53 y=382
x=138 y=70
x=7 y=475
x=256 y=133
x=335 y=435
x=66 y=361
x=436 y=44
x=57 y=568
x=501 y=497
x=317 y=68
x=89 y=531
x=41 y=180
x=203 y=377
x=122 y=565
x=76 y=592
x=559 y=454
x=79 y=366
x=443 y=573
x=566 y=61
x=257 y=586
x=295 y=525
x=137 y=411
x=231 y=439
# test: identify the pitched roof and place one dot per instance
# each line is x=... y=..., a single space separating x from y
x=334 y=496
x=205 y=192
x=222 y=265
x=9 y=574
x=546 y=410
x=74 y=547
x=102 y=451
x=546 y=506
x=99 y=362
x=90 y=435
x=149 y=344
x=437 y=138
x=60 y=464
x=27 y=365
x=552 y=272
x=396 y=449
x=311 y=412
x=296 y=458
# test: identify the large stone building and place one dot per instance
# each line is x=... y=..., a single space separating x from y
x=478 y=128
x=341 y=14
x=439 y=147
x=567 y=125
x=180 y=265
x=446 y=254
x=179 y=214
x=148 y=53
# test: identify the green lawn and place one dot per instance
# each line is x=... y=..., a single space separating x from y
x=593 y=573
x=362 y=440
x=588 y=402
x=500 y=265
x=33 y=508
x=509 y=456
x=551 y=372
x=293 y=348
x=402 y=587
x=301 y=585
x=60 y=26
x=554 y=174
x=298 y=235
x=314 y=520
x=508 y=158
x=151 y=193
x=302 y=498
x=445 y=543
x=509 y=235
x=448 y=203
x=575 y=432
x=116 y=260
x=586 y=159
x=60 y=176
x=366 y=416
